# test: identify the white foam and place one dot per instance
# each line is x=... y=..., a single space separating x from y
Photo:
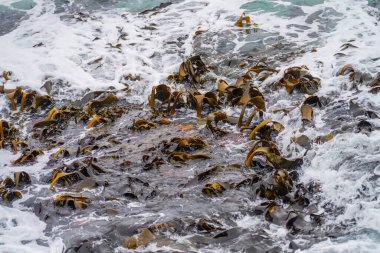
x=362 y=244
x=23 y=232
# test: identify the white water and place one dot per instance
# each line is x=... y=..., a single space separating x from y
x=22 y=231
x=69 y=48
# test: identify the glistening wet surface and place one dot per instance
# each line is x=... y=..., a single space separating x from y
x=189 y=126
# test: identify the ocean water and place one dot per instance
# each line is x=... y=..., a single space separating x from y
x=60 y=40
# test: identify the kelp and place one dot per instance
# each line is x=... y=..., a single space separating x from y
x=7 y=183
x=6 y=130
x=212 y=171
x=285 y=111
x=277 y=214
x=214 y=118
x=142 y=124
x=183 y=157
x=324 y=138
x=199 y=32
x=376 y=81
x=18 y=96
x=67 y=178
x=139 y=240
x=61 y=152
x=274 y=213
x=88 y=150
x=273 y=157
x=208 y=173
x=251 y=96
x=28 y=100
x=200 y=100
x=244 y=21
x=214 y=189
x=56 y=116
x=8 y=136
x=258 y=127
x=6 y=75
x=348 y=70
x=161 y=93
x=28 y=156
x=186 y=127
x=10 y=195
x=262 y=71
x=306 y=113
x=365 y=127
x=208 y=226
x=354 y=75
x=266 y=129
x=107 y=100
x=172 y=100
x=42 y=101
x=346 y=46
x=74 y=173
x=132 y=78
x=110 y=114
x=189 y=144
x=192 y=69
x=222 y=86
x=96 y=119
x=283 y=184
x=163 y=121
x=71 y=200
x=300 y=79
x=237 y=95
x=22 y=179
x=18 y=143
x=152 y=162
x=250 y=117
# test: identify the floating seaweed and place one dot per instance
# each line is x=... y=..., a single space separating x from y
x=75 y=173
x=8 y=136
x=300 y=79
x=272 y=155
x=141 y=239
x=142 y=124
x=189 y=144
x=244 y=21
x=28 y=156
x=27 y=99
x=72 y=200
x=214 y=189
x=183 y=157
x=10 y=195
x=192 y=69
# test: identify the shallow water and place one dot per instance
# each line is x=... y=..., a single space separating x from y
x=74 y=43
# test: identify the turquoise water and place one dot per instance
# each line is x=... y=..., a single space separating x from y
x=131 y=5
x=9 y=19
x=24 y=5
x=305 y=2
x=279 y=9
x=374 y=3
